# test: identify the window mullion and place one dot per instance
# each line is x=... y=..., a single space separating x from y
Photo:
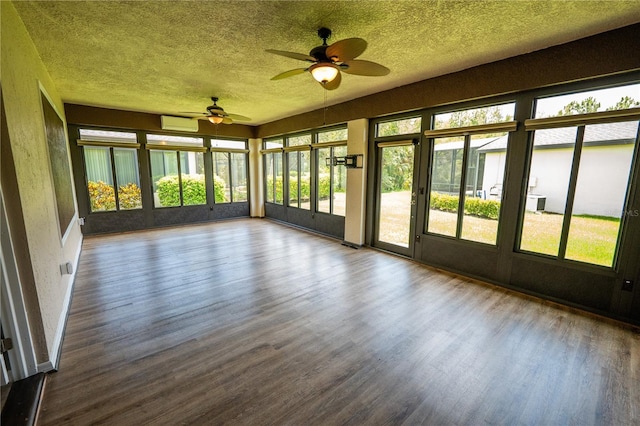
x=463 y=184
x=331 y=183
x=571 y=192
x=180 y=178
x=115 y=178
x=230 y=177
x=299 y=165
x=274 y=173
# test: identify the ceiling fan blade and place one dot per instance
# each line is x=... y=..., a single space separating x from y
x=368 y=68
x=346 y=50
x=292 y=55
x=227 y=120
x=237 y=117
x=333 y=84
x=289 y=73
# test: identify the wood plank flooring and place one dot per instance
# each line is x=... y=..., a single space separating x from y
x=253 y=322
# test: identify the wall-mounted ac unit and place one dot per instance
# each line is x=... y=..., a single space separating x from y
x=179 y=124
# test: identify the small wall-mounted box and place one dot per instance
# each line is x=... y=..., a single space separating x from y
x=66 y=268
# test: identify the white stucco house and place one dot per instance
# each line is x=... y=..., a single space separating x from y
x=603 y=171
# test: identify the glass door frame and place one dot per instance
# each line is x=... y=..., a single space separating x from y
x=379 y=145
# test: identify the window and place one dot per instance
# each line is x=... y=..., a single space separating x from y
x=111 y=161
x=221 y=177
x=299 y=140
x=299 y=179
x=332 y=135
x=331 y=180
x=399 y=127
x=611 y=99
x=273 y=143
x=445 y=185
x=299 y=168
x=238 y=177
x=467 y=172
x=177 y=170
x=273 y=177
x=229 y=170
x=577 y=188
x=474 y=117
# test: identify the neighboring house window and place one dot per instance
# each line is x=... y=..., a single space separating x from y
x=579 y=174
x=229 y=170
x=298 y=154
x=111 y=161
x=273 y=170
x=331 y=179
x=177 y=170
x=467 y=172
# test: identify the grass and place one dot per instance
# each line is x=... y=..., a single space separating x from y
x=592 y=239
x=395 y=216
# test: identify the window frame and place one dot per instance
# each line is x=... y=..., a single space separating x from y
x=231 y=151
x=508 y=127
x=178 y=149
x=580 y=122
x=332 y=145
x=110 y=145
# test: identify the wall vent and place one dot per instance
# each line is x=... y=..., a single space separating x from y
x=179 y=124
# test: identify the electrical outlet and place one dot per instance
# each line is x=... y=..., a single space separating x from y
x=627 y=285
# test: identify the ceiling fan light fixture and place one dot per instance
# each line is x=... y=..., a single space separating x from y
x=215 y=119
x=324 y=72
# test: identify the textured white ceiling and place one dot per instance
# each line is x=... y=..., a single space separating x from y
x=172 y=56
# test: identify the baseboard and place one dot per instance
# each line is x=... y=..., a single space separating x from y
x=352 y=245
x=54 y=359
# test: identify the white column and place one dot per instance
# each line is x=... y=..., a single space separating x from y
x=256 y=179
x=354 y=223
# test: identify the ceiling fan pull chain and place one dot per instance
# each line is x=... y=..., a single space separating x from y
x=324 y=110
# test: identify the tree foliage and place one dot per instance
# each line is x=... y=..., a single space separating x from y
x=625 y=102
x=397 y=168
x=476 y=117
x=585 y=106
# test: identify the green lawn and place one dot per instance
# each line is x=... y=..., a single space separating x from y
x=591 y=239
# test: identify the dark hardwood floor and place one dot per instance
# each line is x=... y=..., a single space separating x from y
x=253 y=322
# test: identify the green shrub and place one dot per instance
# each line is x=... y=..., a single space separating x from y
x=129 y=197
x=305 y=188
x=169 y=191
x=102 y=196
x=444 y=202
x=472 y=206
x=482 y=208
x=193 y=190
x=218 y=189
x=324 y=186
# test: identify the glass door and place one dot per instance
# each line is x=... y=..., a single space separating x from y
x=395 y=197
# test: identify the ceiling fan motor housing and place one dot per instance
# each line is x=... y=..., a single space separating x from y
x=319 y=52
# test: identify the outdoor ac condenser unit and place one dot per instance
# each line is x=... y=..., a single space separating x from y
x=179 y=124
